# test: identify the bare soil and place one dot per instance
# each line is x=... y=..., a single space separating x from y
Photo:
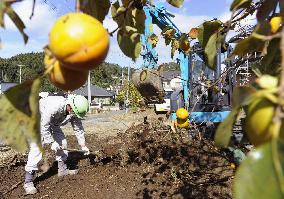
x=142 y=159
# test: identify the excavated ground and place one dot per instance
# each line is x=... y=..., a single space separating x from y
x=145 y=161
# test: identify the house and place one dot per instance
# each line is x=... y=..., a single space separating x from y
x=98 y=94
x=167 y=76
x=6 y=85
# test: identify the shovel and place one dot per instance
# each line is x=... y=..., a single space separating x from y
x=96 y=153
x=45 y=166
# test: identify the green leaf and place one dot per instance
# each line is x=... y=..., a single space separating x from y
x=224 y=130
x=176 y=3
x=267 y=7
x=167 y=41
x=175 y=46
x=153 y=40
x=214 y=43
x=129 y=42
x=168 y=34
x=237 y=4
x=242 y=96
x=270 y=63
x=17 y=21
x=246 y=46
x=115 y=8
x=266 y=93
x=19 y=115
x=98 y=9
x=136 y=19
x=207 y=29
x=255 y=69
x=3 y=7
x=211 y=51
x=260 y=176
x=184 y=43
x=210 y=39
x=125 y=3
x=252 y=44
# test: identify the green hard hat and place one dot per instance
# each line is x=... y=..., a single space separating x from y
x=79 y=104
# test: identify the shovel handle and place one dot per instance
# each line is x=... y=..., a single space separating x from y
x=80 y=151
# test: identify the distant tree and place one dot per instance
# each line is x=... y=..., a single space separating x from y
x=171 y=66
x=134 y=95
x=106 y=75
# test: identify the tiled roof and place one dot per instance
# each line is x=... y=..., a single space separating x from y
x=95 y=91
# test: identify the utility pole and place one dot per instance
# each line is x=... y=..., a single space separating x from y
x=2 y=75
x=127 y=92
x=122 y=76
x=89 y=90
x=20 y=74
x=20 y=65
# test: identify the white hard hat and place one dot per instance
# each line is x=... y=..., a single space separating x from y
x=79 y=105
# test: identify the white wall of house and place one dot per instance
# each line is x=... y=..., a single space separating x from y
x=166 y=85
x=103 y=100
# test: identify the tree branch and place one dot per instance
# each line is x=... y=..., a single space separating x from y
x=117 y=15
x=77 y=6
x=33 y=9
x=279 y=111
x=12 y=1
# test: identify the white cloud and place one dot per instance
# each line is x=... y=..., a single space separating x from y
x=37 y=28
x=115 y=55
x=185 y=23
x=109 y=23
x=225 y=16
x=40 y=23
x=18 y=46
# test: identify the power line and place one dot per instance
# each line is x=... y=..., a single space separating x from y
x=51 y=6
x=64 y=7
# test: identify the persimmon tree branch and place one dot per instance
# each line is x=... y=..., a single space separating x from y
x=119 y=14
x=279 y=111
x=33 y=9
x=247 y=12
x=77 y=6
x=281 y=90
x=223 y=75
x=266 y=38
x=12 y=1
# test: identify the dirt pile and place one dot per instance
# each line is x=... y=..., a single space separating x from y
x=147 y=161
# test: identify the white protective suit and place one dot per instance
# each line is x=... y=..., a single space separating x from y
x=53 y=115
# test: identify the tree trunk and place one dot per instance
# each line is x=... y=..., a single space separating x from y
x=149 y=84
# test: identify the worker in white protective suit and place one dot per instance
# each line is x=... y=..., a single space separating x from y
x=57 y=111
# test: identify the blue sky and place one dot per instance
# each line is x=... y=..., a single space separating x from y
x=192 y=14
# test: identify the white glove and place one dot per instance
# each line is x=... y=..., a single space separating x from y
x=86 y=150
x=55 y=146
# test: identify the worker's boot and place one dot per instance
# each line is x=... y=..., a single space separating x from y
x=29 y=185
x=63 y=170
